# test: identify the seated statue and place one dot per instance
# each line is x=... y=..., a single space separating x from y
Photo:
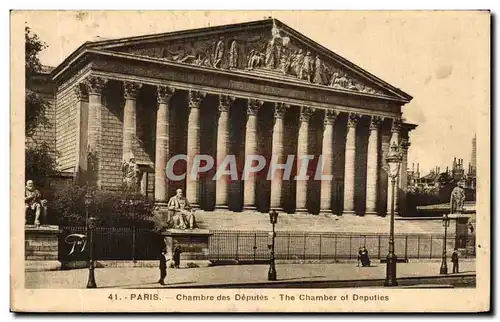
x=183 y=216
x=457 y=199
x=34 y=204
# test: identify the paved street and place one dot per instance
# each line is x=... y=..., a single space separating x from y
x=234 y=274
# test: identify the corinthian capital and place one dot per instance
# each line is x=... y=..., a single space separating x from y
x=330 y=117
x=305 y=113
x=195 y=98
x=353 y=119
x=375 y=122
x=95 y=84
x=81 y=92
x=164 y=93
x=280 y=109
x=254 y=106
x=225 y=102
x=396 y=125
x=130 y=89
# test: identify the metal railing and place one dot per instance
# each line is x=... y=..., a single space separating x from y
x=252 y=246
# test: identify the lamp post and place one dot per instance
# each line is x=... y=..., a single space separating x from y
x=91 y=281
x=271 y=274
x=88 y=201
x=446 y=224
x=393 y=160
x=89 y=228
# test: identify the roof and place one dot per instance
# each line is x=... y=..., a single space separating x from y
x=163 y=39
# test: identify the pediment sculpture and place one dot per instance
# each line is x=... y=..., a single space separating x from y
x=275 y=53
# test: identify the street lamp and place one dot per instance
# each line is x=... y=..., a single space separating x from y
x=393 y=160
x=271 y=274
x=446 y=224
x=91 y=282
x=88 y=201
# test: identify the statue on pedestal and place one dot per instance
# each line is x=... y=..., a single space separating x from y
x=457 y=199
x=183 y=217
x=34 y=204
x=131 y=174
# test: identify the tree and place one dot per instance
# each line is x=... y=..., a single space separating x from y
x=35 y=105
x=40 y=160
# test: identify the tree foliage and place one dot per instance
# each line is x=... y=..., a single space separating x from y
x=35 y=104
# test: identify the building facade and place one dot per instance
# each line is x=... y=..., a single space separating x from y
x=243 y=89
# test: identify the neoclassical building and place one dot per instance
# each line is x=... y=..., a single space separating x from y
x=243 y=89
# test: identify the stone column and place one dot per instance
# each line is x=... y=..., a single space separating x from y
x=251 y=149
x=82 y=108
x=395 y=130
x=277 y=154
x=302 y=150
x=193 y=147
x=221 y=190
x=372 y=166
x=129 y=118
x=350 y=164
x=95 y=86
x=327 y=154
x=403 y=181
x=162 y=143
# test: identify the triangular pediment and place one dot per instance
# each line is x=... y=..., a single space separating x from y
x=267 y=48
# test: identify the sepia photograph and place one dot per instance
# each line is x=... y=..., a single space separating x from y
x=284 y=161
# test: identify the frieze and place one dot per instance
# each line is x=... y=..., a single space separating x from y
x=267 y=53
x=237 y=86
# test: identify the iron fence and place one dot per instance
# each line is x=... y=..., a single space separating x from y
x=253 y=246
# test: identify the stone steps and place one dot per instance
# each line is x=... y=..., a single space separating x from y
x=227 y=220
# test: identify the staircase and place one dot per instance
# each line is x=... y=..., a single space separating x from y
x=256 y=221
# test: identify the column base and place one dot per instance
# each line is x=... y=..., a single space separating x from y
x=249 y=208
x=371 y=213
x=301 y=211
x=326 y=211
x=221 y=207
x=348 y=212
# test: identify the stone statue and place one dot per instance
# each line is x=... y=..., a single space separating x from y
x=285 y=62
x=34 y=203
x=233 y=55
x=319 y=72
x=183 y=217
x=457 y=199
x=255 y=59
x=219 y=54
x=334 y=80
x=297 y=62
x=307 y=67
x=131 y=173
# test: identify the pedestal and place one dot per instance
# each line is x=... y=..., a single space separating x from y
x=41 y=247
x=194 y=243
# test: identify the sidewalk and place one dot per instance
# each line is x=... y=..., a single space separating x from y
x=232 y=274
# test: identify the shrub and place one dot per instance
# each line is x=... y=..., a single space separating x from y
x=111 y=208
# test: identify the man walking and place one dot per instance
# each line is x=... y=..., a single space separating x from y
x=163 y=265
x=454 y=260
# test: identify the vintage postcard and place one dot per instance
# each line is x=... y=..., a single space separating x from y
x=250 y=161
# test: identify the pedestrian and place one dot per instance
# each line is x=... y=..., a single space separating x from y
x=177 y=256
x=363 y=254
x=454 y=260
x=163 y=265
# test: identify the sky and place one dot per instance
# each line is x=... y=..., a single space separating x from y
x=439 y=58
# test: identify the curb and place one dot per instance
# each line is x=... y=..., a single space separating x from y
x=448 y=281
